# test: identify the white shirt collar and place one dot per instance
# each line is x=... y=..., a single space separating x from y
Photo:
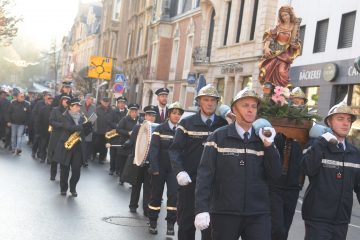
x=241 y=131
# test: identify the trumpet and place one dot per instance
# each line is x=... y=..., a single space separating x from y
x=111 y=134
x=74 y=137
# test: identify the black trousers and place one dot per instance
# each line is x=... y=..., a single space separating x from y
x=143 y=178
x=75 y=165
x=88 y=150
x=157 y=188
x=283 y=205
x=53 y=169
x=325 y=231
x=231 y=227
x=186 y=214
x=99 y=146
x=113 y=159
x=36 y=143
x=42 y=147
x=120 y=163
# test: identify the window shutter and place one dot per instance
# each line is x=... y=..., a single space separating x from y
x=347 y=30
x=321 y=35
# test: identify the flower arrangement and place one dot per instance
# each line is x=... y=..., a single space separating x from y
x=276 y=104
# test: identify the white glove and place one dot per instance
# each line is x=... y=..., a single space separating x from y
x=268 y=139
x=330 y=137
x=202 y=220
x=183 y=178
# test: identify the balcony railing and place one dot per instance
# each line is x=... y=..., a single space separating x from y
x=200 y=55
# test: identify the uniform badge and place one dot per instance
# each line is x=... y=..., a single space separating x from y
x=338 y=175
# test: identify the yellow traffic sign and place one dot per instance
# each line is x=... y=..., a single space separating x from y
x=100 y=67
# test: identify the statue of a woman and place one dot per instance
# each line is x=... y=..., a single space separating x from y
x=281 y=47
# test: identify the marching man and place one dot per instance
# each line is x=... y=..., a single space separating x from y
x=232 y=182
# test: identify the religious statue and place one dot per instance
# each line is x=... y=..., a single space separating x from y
x=281 y=47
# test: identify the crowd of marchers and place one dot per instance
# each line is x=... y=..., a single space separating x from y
x=223 y=175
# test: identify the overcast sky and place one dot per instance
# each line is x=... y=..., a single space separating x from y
x=45 y=20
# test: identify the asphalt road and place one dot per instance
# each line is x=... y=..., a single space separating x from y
x=32 y=208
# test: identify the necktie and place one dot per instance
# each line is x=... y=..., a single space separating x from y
x=162 y=115
x=341 y=146
x=246 y=137
x=208 y=122
x=174 y=129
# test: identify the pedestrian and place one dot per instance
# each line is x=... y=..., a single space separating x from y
x=18 y=118
x=333 y=166
x=161 y=170
x=284 y=191
x=88 y=108
x=56 y=123
x=142 y=177
x=185 y=154
x=161 y=109
x=124 y=129
x=69 y=150
x=231 y=183
x=42 y=128
x=4 y=107
x=105 y=121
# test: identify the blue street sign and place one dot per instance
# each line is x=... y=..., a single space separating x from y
x=118 y=88
x=119 y=77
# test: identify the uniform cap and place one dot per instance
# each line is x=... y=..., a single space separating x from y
x=105 y=99
x=75 y=101
x=150 y=109
x=66 y=83
x=245 y=93
x=121 y=99
x=208 y=90
x=162 y=91
x=341 y=107
x=66 y=96
x=133 y=106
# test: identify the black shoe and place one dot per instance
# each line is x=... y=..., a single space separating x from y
x=63 y=193
x=133 y=210
x=111 y=173
x=74 y=194
x=152 y=227
x=52 y=178
x=85 y=164
x=170 y=229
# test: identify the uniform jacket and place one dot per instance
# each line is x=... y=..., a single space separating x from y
x=55 y=120
x=161 y=140
x=125 y=126
x=106 y=120
x=329 y=198
x=158 y=119
x=188 y=145
x=19 y=113
x=61 y=154
x=120 y=115
x=88 y=112
x=291 y=178
x=225 y=185
x=35 y=110
x=42 y=123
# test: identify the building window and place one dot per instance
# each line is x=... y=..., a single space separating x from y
x=221 y=87
x=347 y=30
x=211 y=34
x=253 y=22
x=139 y=42
x=188 y=53
x=321 y=35
x=227 y=23
x=241 y=14
x=180 y=7
x=312 y=94
x=128 y=52
x=116 y=10
x=247 y=82
x=174 y=57
x=302 y=36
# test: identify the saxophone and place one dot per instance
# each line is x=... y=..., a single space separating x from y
x=111 y=134
x=74 y=137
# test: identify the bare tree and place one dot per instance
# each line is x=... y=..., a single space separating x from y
x=8 y=23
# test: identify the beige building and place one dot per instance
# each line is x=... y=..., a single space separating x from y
x=231 y=43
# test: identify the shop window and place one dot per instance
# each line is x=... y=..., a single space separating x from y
x=347 y=30
x=321 y=35
x=312 y=94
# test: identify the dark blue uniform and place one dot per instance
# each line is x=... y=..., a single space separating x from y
x=232 y=184
x=334 y=174
x=185 y=154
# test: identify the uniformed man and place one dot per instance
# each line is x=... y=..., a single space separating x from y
x=185 y=154
x=105 y=122
x=69 y=151
x=124 y=129
x=42 y=128
x=232 y=180
x=161 y=170
x=88 y=109
x=143 y=177
x=284 y=191
x=120 y=112
x=333 y=166
x=55 y=121
x=161 y=109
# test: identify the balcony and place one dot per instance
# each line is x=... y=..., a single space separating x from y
x=200 y=55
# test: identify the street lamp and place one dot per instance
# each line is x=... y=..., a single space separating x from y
x=98 y=87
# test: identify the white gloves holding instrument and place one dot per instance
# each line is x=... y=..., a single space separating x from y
x=183 y=178
x=265 y=132
x=202 y=220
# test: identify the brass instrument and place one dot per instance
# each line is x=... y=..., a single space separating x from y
x=50 y=128
x=74 y=137
x=111 y=134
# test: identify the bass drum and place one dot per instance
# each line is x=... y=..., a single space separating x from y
x=143 y=142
